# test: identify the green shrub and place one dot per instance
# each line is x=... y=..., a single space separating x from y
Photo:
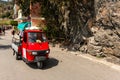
x=14 y=23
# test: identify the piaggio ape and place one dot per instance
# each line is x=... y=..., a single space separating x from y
x=34 y=47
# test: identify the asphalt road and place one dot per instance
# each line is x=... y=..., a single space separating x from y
x=61 y=66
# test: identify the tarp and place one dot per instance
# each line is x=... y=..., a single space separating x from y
x=21 y=26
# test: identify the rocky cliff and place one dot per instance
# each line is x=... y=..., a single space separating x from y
x=89 y=26
x=105 y=41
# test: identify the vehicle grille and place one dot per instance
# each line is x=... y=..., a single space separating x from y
x=41 y=52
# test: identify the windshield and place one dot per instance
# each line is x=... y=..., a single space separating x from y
x=36 y=37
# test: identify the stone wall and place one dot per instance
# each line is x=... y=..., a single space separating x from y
x=90 y=26
x=106 y=31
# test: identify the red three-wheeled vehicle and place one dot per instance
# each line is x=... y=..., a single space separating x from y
x=34 y=47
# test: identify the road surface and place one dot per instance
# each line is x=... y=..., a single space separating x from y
x=61 y=66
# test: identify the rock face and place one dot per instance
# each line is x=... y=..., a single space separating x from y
x=77 y=20
x=90 y=26
x=106 y=32
x=72 y=19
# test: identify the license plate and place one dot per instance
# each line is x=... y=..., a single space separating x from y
x=40 y=58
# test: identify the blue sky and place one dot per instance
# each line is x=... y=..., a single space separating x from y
x=6 y=0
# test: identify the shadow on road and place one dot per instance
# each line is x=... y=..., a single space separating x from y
x=52 y=62
x=5 y=46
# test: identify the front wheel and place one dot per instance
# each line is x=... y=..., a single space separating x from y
x=40 y=65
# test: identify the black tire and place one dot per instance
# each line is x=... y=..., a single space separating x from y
x=14 y=52
x=40 y=65
x=17 y=56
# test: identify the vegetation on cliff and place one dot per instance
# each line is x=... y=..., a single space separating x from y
x=6 y=9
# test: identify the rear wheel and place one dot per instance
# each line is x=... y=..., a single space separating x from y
x=40 y=65
x=17 y=56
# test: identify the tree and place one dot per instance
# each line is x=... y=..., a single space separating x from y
x=6 y=9
x=14 y=23
x=24 y=5
x=67 y=18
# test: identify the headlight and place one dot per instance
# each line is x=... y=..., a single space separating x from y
x=34 y=53
x=47 y=51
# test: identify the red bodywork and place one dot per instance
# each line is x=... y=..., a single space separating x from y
x=38 y=47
